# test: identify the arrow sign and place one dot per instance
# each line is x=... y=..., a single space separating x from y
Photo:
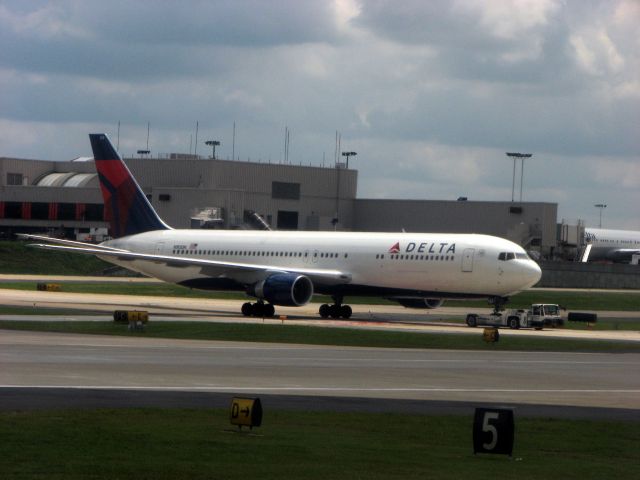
x=246 y=411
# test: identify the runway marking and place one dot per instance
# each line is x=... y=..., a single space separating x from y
x=214 y=388
x=468 y=360
x=473 y=362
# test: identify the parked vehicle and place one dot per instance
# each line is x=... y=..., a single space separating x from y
x=538 y=316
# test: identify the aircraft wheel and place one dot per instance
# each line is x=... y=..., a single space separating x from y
x=325 y=310
x=345 y=311
x=258 y=309
x=514 y=323
x=269 y=310
x=334 y=311
x=247 y=309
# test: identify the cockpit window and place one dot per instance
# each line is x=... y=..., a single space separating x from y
x=512 y=256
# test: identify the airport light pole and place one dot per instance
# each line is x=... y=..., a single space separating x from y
x=600 y=206
x=212 y=144
x=348 y=154
x=521 y=156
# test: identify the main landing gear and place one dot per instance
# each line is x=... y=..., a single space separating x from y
x=336 y=310
x=258 y=309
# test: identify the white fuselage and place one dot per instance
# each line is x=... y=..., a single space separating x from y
x=438 y=265
x=614 y=245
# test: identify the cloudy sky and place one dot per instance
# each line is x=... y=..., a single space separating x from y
x=430 y=94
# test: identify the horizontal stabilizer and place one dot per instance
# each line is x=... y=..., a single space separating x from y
x=62 y=241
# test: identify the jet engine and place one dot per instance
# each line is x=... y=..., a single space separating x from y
x=420 y=302
x=287 y=289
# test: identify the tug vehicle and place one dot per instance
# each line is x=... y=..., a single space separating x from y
x=538 y=316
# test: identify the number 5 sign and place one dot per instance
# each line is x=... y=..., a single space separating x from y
x=493 y=431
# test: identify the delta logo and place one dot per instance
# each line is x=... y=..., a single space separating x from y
x=437 y=248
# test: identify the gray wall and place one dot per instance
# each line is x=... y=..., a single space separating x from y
x=589 y=275
x=238 y=186
x=199 y=183
x=536 y=220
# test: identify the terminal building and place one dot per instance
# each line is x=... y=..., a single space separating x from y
x=64 y=199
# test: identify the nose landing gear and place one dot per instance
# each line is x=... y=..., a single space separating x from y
x=336 y=310
x=498 y=303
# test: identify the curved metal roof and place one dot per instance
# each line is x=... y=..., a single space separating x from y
x=68 y=179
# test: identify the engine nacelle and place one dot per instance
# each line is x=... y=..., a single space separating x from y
x=420 y=302
x=287 y=289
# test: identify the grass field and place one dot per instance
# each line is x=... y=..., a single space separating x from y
x=573 y=300
x=16 y=257
x=624 y=324
x=326 y=336
x=196 y=444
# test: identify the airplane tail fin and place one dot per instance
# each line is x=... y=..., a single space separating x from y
x=126 y=207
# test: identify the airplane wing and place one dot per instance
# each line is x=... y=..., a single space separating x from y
x=242 y=272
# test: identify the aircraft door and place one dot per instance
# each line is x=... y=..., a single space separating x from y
x=467 y=259
x=159 y=248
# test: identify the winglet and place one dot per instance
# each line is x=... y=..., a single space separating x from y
x=126 y=207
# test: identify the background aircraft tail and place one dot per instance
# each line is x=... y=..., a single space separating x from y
x=126 y=207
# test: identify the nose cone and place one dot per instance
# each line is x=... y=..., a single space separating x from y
x=531 y=274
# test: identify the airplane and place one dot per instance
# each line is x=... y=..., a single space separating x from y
x=286 y=268
x=610 y=245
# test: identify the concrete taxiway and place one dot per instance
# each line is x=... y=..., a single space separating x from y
x=41 y=370
x=387 y=317
x=81 y=362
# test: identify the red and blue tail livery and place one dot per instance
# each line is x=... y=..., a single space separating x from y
x=126 y=207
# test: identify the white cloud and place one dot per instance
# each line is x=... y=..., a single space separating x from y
x=430 y=94
x=46 y=22
x=596 y=53
x=513 y=19
x=617 y=173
